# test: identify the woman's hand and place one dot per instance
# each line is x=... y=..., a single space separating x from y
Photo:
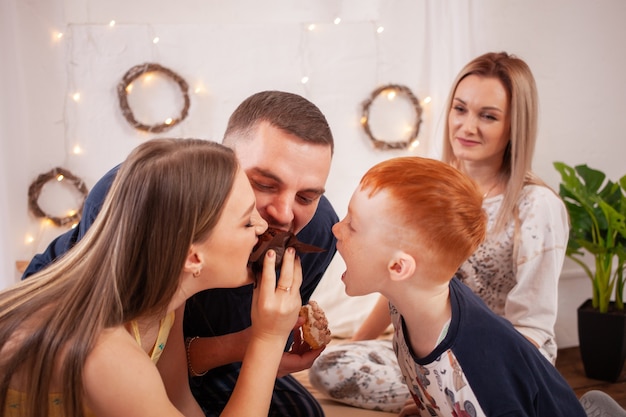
x=275 y=306
x=274 y=314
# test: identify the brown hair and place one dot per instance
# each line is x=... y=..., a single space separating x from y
x=168 y=194
x=436 y=201
x=286 y=111
x=519 y=83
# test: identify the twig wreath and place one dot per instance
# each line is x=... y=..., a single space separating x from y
x=136 y=72
x=59 y=174
x=399 y=90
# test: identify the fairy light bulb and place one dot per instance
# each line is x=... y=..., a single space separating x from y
x=29 y=239
x=391 y=95
x=77 y=150
x=380 y=29
x=337 y=20
x=304 y=80
x=311 y=27
x=155 y=40
x=76 y=97
x=60 y=177
x=112 y=23
x=168 y=121
x=427 y=100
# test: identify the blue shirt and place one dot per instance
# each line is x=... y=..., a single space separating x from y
x=482 y=367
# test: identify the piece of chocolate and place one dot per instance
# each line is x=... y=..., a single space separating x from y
x=279 y=240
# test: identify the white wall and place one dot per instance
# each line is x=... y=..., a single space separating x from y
x=232 y=49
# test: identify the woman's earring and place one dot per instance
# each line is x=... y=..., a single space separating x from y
x=196 y=274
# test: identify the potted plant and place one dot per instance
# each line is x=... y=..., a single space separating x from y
x=597 y=211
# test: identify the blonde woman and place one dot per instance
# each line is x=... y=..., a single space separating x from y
x=490 y=135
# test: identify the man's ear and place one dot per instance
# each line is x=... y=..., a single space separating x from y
x=401 y=266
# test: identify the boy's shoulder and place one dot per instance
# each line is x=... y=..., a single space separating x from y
x=484 y=362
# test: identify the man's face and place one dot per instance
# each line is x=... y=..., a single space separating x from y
x=287 y=175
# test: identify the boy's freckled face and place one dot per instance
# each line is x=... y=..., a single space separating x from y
x=364 y=243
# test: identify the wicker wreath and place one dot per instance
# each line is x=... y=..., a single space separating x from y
x=399 y=90
x=59 y=174
x=136 y=72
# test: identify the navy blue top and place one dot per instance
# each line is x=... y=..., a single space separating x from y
x=505 y=372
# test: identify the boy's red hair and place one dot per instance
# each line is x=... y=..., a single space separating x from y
x=435 y=201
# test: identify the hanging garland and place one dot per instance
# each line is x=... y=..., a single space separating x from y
x=136 y=72
x=58 y=174
x=386 y=90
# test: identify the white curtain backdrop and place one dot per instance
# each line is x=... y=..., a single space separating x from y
x=423 y=46
x=10 y=102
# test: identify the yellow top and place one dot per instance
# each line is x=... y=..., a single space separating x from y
x=16 y=399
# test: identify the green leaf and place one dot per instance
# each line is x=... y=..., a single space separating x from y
x=597 y=210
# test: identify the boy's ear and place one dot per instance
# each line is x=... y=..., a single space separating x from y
x=401 y=266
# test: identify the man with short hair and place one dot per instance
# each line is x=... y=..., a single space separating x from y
x=285 y=146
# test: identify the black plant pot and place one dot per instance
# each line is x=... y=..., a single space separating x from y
x=602 y=339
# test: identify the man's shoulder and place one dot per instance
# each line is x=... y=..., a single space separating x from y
x=318 y=231
x=324 y=216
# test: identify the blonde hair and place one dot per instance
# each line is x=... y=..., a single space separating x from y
x=436 y=201
x=519 y=83
x=168 y=194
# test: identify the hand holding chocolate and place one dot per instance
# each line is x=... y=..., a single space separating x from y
x=278 y=240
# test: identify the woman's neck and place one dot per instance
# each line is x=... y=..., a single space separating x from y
x=487 y=177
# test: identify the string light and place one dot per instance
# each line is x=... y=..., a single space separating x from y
x=77 y=150
x=29 y=239
x=76 y=97
x=112 y=23
x=57 y=36
x=427 y=100
x=337 y=20
x=380 y=29
x=311 y=27
x=155 y=40
x=304 y=80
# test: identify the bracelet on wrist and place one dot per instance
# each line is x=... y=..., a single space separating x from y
x=189 y=367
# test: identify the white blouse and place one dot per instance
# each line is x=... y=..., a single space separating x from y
x=517 y=274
